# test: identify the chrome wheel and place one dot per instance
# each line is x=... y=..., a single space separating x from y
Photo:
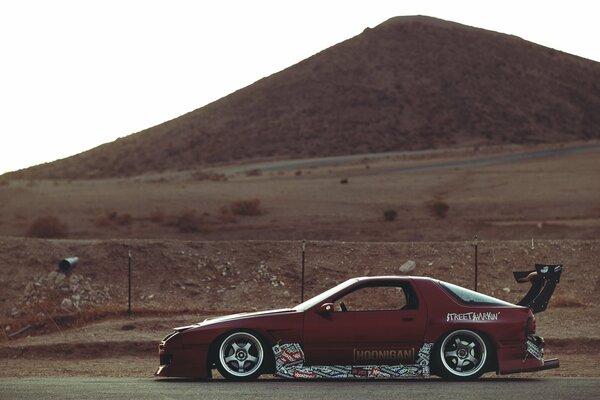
x=241 y=356
x=463 y=354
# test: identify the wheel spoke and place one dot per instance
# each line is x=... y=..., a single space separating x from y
x=247 y=346
x=240 y=366
x=230 y=358
x=451 y=354
x=235 y=347
x=252 y=359
x=472 y=359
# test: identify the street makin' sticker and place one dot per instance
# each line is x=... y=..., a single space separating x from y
x=289 y=363
x=473 y=316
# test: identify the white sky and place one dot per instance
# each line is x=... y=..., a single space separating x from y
x=76 y=74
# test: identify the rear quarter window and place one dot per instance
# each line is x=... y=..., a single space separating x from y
x=470 y=296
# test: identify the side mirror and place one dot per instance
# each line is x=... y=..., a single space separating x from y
x=326 y=308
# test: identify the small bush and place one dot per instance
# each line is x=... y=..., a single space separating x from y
x=225 y=215
x=390 y=215
x=344 y=181
x=439 y=208
x=49 y=227
x=254 y=172
x=246 y=207
x=188 y=222
x=566 y=300
x=157 y=215
x=211 y=176
x=4 y=182
x=124 y=219
x=113 y=218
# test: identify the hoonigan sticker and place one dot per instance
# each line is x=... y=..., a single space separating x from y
x=289 y=363
x=400 y=356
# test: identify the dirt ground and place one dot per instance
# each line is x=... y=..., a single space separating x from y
x=192 y=257
x=179 y=282
x=545 y=198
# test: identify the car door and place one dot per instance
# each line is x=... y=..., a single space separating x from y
x=371 y=323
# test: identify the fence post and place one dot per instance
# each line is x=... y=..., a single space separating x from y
x=302 y=279
x=476 y=262
x=129 y=284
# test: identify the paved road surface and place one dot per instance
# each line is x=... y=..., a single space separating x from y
x=482 y=161
x=431 y=389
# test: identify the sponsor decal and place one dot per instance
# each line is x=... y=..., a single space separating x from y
x=473 y=316
x=401 y=356
x=535 y=350
x=289 y=363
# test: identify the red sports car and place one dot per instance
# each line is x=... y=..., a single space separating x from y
x=371 y=327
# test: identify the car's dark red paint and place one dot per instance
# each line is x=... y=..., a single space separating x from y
x=385 y=337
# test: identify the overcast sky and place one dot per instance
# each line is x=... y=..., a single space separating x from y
x=76 y=74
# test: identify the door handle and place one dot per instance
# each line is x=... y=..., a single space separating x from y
x=407 y=319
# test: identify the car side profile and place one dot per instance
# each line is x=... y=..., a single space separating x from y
x=372 y=327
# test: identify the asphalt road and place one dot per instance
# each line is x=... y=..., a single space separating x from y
x=430 y=389
x=483 y=161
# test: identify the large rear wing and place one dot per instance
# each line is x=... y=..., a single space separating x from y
x=544 y=279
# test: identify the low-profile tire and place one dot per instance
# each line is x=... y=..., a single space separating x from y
x=240 y=356
x=462 y=355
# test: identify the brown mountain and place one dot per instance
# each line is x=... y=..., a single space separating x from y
x=409 y=83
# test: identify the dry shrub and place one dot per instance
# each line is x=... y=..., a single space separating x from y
x=124 y=219
x=49 y=227
x=566 y=300
x=157 y=215
x=211 y=176
x=4 y=182
x=113 y=218
x=390 y=215
x=439 y=208
x=254 y=172
x=225 y=215
x=188 y=222
x=344 y=181
x=246 y=207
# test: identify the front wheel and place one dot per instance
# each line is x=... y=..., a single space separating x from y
x=241 y=356
x=462 y=354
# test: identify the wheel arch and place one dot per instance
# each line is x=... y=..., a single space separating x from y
x=491 y=361
x=213 y=349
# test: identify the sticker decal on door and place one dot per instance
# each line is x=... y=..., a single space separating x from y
x=289 y=363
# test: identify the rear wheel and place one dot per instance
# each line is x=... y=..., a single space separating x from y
x=462 y=354
x=240 y=356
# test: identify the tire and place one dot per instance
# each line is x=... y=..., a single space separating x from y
x=240 y=356
x=462 y=355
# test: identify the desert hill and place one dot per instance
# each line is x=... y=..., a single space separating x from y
x=409 y=83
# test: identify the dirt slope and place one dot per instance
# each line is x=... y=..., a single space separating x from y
x=409 y=83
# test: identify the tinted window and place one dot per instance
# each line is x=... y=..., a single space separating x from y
x=377 y=297
x=470 y=296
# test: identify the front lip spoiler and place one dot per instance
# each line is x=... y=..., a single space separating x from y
x=548 y=364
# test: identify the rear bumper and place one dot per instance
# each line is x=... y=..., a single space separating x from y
x=525 y=357
x=545 y=364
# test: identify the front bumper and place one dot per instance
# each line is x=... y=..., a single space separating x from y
x=183 y=361
x=525 y=358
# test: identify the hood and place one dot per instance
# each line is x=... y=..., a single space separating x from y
x=233 y=317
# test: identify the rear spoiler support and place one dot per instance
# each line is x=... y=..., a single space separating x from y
x=544 y=279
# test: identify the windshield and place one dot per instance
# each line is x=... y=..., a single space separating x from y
x=469 y=296
x=323 y=296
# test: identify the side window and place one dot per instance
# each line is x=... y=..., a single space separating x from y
x=377 y=298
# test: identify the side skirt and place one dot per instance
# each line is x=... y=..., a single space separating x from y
x=289 y=363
